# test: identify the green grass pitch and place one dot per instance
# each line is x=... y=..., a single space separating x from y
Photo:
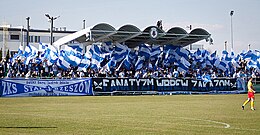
x=129 y=115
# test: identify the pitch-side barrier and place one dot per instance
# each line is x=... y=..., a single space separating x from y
x=11 y=87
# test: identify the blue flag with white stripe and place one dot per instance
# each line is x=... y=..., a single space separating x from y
x=62 y=61
x=140 y=62
x=144 y=50
x=50 y=53
x=84 y=63
x=155 y=52
x=30 y=53
x=120 y=52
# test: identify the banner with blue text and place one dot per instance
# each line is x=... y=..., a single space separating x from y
x=45 y=87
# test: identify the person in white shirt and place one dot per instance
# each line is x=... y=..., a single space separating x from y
x=9 y=74
x=122 y=74
x=145 y=75
x=59 y=75
x=81 y=74
x=214 y=75
x=55 y=69
x=137 y=74
x=28 y=75
x=175 y=73
x=169 y=75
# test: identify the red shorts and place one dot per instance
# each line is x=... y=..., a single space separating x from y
x=251 y=95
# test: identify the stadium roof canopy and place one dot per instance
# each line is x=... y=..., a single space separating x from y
x=132 y=36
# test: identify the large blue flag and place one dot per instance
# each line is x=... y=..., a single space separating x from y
x=97 y=56
x=62 y=61
x=50 y=53
x=30 y=53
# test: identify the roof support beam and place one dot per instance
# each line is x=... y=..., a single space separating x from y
x=175 y=39
x=105 y=36
x=129 y=37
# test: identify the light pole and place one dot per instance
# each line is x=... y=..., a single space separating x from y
x=51 y=28
x=232 y=43
x=28 y=29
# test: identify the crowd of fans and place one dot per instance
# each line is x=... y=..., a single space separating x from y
x=17 y=69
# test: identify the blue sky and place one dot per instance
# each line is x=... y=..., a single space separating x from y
x=212 y=15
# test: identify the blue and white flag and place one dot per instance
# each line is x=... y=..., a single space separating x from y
x=204 y=53
x=126 y=63
x=170 y=57
x=84 y=63
x=18 y=54
x=72 y=56
x=133 y=55
x=144 y=50
x=183 y=65
x=30 y=53
x=197 y=55
x=158 y=61
x=42 y=47
x=251 y=55
x=212 y=56
x=223 y=66
x=185 y=62
x=97 y=56
x=76 y=47
x=216 y=62
x=63 y=61
x=50 y=53
x=140 y=62
x=224 y=53
x=111 y=64
x=258 y=64
x=182 y=52
x=120 y=52
x=251 y=64
x=107 y=47
x=155 y=52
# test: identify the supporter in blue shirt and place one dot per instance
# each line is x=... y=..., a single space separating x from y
x=55 y=69
x=137 y=74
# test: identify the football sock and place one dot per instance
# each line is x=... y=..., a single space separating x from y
x=252 y=104
x=245 y=102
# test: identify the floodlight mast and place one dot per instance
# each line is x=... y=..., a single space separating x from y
x=28 y=30
x=51 y=18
